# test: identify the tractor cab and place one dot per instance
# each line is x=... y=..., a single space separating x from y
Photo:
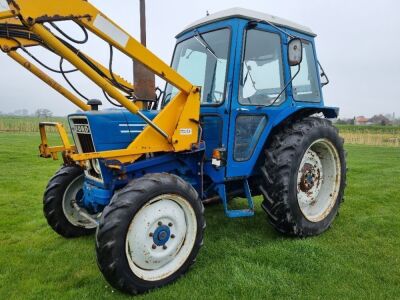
x=240 y=59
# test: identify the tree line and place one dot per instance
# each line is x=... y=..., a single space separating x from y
x=39 y=113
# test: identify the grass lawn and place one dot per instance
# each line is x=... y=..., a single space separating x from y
x=359 y=257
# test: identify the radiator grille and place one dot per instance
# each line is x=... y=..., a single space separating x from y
x=82 y=132
x=84 y=143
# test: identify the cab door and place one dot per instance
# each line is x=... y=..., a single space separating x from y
x=257 y=98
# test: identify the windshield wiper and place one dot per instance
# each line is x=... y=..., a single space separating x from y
x=199 y=37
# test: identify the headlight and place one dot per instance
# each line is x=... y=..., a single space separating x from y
x=96 y=166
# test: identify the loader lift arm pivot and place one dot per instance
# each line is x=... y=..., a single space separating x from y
x=164 y=132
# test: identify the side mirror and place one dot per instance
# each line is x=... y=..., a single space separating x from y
x=295 y=52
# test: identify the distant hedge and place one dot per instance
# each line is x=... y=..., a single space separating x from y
x=26 y=124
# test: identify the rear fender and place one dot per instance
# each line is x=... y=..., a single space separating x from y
x=286 y=117
x=302 y=112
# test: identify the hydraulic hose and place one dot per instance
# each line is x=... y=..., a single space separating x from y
x=13 y=32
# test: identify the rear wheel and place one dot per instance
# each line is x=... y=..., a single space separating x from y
x=150 y=233
x=60 y=204
x=304 y=177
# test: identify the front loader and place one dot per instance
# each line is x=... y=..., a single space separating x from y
x=242 y=115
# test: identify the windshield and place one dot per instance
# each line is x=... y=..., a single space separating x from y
x=202 y=66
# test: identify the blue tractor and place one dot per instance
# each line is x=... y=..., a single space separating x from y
x=261 y=128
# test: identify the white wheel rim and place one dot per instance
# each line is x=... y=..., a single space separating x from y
x=71 y=195
x=151 y=257
x=318 y=180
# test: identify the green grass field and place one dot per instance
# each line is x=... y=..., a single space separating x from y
x=359 y=257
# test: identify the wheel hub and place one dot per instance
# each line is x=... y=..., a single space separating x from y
x=162 y=235
x=318 y=180
x=157 y=234
x=310 y=177
x=72 y=198
x=310 y=173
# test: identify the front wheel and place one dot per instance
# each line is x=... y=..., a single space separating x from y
x=304 y=176
x=150 y=233
x=60 y=204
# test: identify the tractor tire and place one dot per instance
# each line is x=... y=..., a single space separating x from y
x=63 y=218
x=304 y=177
x=150 y=234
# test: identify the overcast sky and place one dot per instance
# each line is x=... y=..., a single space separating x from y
x=358 y=44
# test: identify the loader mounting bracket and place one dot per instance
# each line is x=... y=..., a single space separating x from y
x=66 y=149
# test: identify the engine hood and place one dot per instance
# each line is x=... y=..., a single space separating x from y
x=110 y=129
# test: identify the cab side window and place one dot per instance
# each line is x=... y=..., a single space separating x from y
x=262 y=72
x=305 y=85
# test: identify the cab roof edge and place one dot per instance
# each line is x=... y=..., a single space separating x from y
x=250 y=15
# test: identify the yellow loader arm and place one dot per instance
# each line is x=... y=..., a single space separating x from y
x=11 y=44
x=168 y=132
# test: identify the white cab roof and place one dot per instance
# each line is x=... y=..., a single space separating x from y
x=251 y=15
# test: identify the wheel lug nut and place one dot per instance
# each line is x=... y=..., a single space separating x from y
x=170 y=224
x=172 y=236
x=150 y=234
x=154 y=246
x=159 y=223
x=164 y=247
